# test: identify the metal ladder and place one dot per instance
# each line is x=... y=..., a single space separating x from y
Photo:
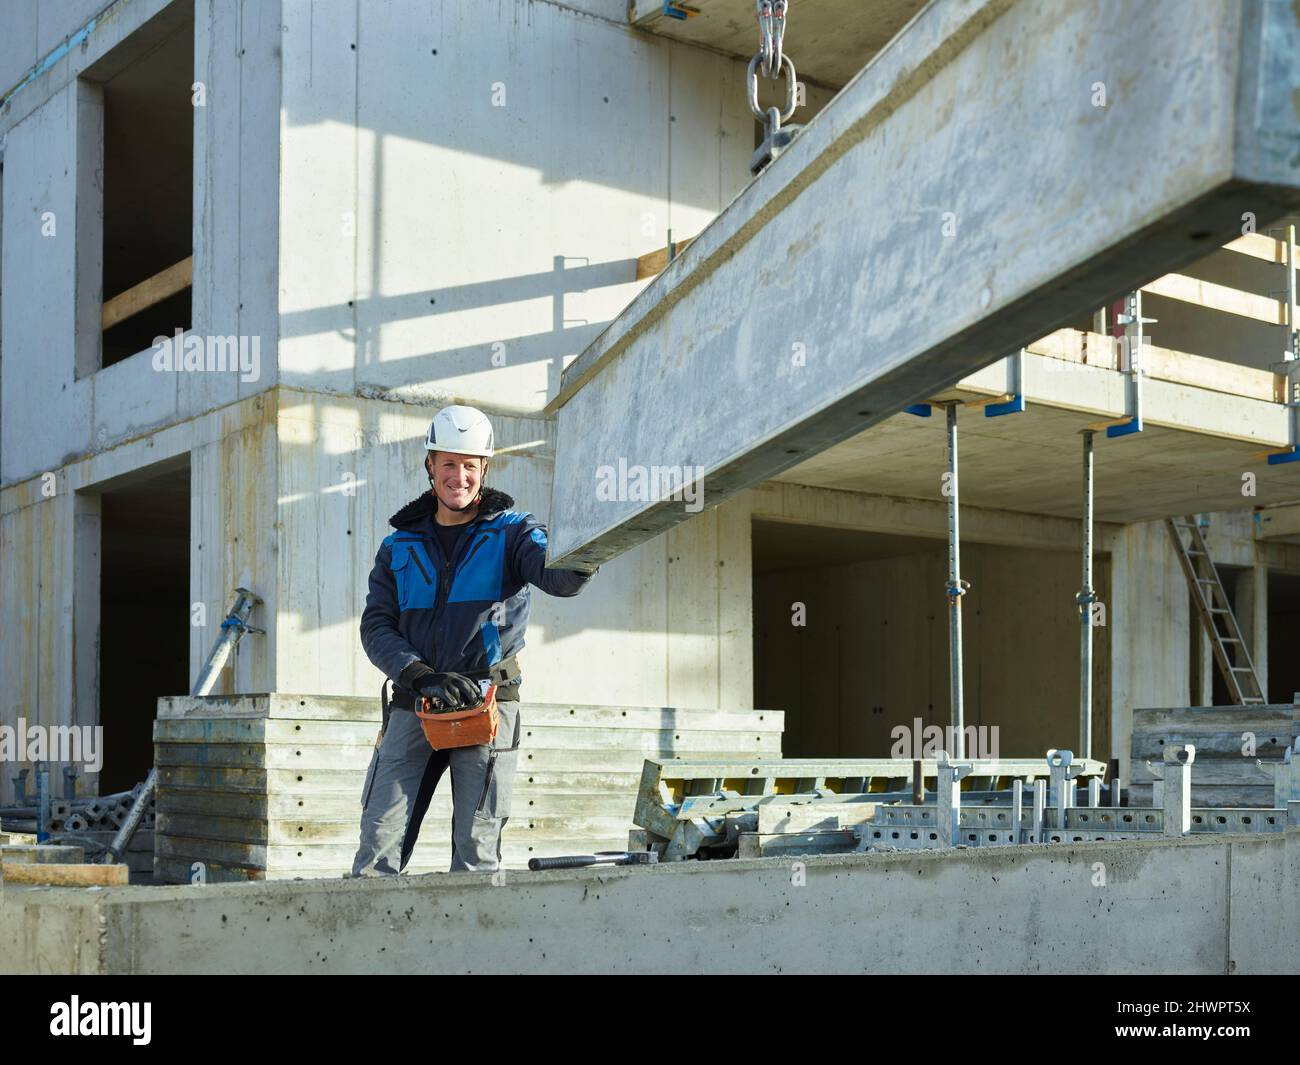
x=1212 y=601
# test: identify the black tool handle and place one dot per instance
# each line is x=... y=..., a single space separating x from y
x=568 y=861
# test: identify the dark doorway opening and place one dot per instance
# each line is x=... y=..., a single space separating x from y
x=872 y=652
x=144 y=612
x=1283 y=637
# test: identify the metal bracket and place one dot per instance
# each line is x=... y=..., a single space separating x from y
x=948 y=796
x=1016 y=404
x=1132 y=321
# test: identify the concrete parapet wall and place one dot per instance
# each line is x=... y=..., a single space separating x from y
x=1223 y=905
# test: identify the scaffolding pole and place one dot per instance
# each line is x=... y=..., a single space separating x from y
x=1086 y=597
x=956 y=588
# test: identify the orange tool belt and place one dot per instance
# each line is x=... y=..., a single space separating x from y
x=471 y=727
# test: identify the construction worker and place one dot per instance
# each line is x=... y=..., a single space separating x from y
x=447 y=608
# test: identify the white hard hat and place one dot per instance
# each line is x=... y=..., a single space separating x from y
x=462 y=431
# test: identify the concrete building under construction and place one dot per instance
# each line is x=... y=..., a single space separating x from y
x=950 y=385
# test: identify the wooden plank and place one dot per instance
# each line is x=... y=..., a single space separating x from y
x=655 y=262
x=1214 y=375
x=1065 y=344
x=1218 y=298
x=1272 y=718
x=1215 y=772
x=44 y=854
x=1211 y=746
x=1164 y=364
x=1270 y=249
x=180 y=871
x=65 y=875
x=176 y=278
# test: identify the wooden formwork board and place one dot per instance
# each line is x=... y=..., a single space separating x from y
x=1229 y=742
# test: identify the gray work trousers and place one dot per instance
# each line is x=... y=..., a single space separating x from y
x=405 y=770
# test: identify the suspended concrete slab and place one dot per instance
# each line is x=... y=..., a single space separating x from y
x=997 y=170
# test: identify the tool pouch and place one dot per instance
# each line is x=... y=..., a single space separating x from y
x=460 y=728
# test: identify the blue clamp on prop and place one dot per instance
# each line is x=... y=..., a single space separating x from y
x=1133 y=425
x=921 y=410
x=1015 y=405
x=1284 y=456
x=673 y=11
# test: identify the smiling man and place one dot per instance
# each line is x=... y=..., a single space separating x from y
x=448 y=605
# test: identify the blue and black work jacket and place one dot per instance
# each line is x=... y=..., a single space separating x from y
x=462 y=614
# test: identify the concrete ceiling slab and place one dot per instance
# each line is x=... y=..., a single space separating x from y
x=1031 y=462
x=828 y=40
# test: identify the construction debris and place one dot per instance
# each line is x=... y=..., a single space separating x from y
x=785 y=814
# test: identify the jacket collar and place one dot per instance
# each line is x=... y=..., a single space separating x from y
x=419 y=511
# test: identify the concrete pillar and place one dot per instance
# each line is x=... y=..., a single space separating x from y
x=1259 y=645
x=89 y=237
x=1203 y=665
x=86 y=536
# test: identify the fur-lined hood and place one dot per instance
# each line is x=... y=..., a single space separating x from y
x=421 y=509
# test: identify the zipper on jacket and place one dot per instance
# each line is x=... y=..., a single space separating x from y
x=449 y=568
x=420 y=566
x=465 y=561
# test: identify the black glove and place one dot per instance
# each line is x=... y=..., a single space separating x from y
x=449 y=691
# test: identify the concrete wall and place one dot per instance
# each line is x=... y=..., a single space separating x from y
x=50 y=414
x=467 y=188
x=874 y=651
x=34 y=28
x=1195 y=905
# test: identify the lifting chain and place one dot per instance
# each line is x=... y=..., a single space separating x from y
x=772 y=61
x=771 y=35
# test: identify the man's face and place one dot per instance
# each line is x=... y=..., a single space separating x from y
x=456 y=478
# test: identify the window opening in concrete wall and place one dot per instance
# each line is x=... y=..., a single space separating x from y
x=135 y=191
x=145 y=618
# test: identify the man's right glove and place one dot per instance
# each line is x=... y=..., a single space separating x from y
x=446 y=691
